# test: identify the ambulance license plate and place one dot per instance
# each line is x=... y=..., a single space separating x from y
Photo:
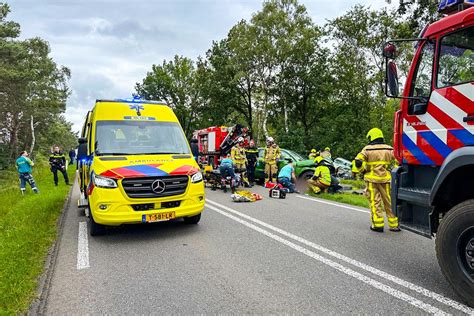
x=160 y=217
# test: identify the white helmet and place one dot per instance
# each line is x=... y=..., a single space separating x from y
x=240 y=139
x=270 y=139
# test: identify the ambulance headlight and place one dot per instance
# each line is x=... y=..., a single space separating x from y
x=197 y=177
x=103 y=182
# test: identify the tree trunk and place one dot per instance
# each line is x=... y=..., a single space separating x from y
x=33 y=138
x=286 y=119
x=249 y=106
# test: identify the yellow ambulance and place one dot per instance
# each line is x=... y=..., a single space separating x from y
x=136 y=166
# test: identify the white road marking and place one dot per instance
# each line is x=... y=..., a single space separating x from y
x=385 y=288
x=82 y=247
x=333 y=204
x=438 y=297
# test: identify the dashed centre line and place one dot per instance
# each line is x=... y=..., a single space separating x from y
x=82 y=247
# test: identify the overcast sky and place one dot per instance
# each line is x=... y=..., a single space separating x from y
x=109 y=45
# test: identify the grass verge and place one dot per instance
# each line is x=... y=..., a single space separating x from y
x=347 y=198
x=352 y=199
x=27 y=230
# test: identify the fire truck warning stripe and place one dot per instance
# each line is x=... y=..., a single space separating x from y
x=438 y=145
x=416 y=151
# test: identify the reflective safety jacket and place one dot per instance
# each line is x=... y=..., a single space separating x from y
x=57 y=159
x=237 y=154
x=252 y=155
x=24 y=164
x=378 y=159
x=323 y=174
x=272 y=153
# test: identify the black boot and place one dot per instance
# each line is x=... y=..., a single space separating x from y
x=376 y=229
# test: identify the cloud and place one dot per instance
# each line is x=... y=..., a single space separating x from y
x=109 y=45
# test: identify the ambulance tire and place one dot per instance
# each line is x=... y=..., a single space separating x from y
x=96 y=229
x=455 y=249
x=192 y=220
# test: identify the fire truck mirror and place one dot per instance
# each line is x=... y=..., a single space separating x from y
x=392 y=79
x=419 y=108
x=390 y=51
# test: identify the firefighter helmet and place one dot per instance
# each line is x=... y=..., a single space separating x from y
x=313 y=150
x=240 y=140
x=374 y=133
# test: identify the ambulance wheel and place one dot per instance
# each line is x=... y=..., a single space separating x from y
x=192 y=219
x=455 y=249
x=96 y=229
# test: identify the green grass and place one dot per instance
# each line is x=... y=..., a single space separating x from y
x=28 y=227
x=347 y=198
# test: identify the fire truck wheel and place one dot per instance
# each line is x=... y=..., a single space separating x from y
x=455 y=249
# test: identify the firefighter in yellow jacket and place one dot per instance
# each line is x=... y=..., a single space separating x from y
x=375 y=161
x=239 y=158
x=271 y=156
x=321 y=180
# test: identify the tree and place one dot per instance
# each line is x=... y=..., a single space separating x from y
x=174 y=82
x=33 y=90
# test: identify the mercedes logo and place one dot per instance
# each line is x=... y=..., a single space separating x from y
x=158 y=186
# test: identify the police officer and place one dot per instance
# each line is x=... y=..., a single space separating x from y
x=378 y=157
x=252 y=155
x=239 y=158
x=271 y=156
x=57 y=162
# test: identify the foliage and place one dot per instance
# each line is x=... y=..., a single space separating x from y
x=308 y=86
x=27 y=229
x=33 y=93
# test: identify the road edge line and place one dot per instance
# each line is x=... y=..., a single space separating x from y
x=307 y=197
x=38 y=306
x=411 y=286
x=337 y=266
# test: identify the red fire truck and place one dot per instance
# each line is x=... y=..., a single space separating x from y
x=216 y=141
x=433 y=188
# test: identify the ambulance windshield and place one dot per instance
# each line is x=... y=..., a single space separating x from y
x=139 y=138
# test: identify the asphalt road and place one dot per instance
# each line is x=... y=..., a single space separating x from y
x=296 y=256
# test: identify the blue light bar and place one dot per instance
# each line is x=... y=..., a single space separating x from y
x=450 y=5
x=135 y=99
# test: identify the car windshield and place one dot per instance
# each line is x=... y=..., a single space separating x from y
x=139 y=137
x=297 y=156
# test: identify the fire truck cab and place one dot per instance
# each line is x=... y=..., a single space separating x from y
x=433 y=188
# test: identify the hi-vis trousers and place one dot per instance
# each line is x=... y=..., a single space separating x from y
x=378 y=195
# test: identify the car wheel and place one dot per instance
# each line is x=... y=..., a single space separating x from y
x=192 y=219
x=306 y=175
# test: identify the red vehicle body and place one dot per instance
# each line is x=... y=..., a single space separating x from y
x=216 y=141
x=433 y=189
